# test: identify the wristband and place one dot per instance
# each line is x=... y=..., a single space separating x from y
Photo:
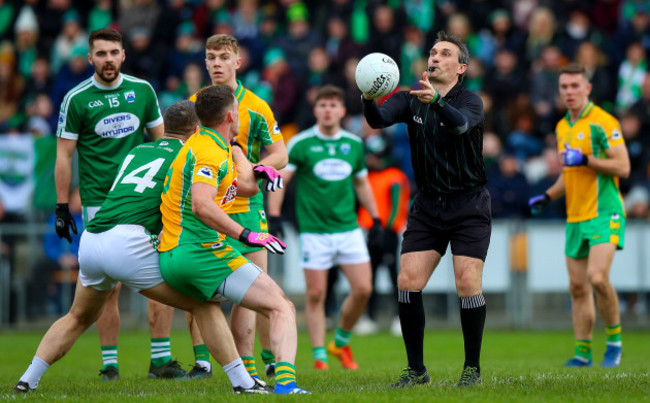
x=243 y=237
x=435 y=99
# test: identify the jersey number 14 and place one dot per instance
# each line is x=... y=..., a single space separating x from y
x=142 y=182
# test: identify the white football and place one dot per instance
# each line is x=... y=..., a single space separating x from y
x=377 y=75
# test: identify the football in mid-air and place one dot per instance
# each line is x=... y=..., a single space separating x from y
x=377 y=75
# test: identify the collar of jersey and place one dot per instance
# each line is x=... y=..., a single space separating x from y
x=239 y=92
x=325 y=136
x=106 y=87
x=215 y=136
x=590 y=105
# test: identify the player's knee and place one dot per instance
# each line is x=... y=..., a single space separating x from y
x=599 y=281
x=409 y=281
x=363 y=291
x=316 y=295
x=83 y=319
x=579 y=290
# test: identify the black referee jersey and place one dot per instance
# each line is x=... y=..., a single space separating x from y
x=446 y=138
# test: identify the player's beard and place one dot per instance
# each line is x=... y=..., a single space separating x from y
x=109 y=79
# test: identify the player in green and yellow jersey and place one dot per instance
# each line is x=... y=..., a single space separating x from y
x=196 y=258
x=594 y=157
x=257 y=129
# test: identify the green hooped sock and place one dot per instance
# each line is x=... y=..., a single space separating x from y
x=583 y=349
x=341 y=338
x=249 y=363
x=285 y=373
x=319 y=353
x=268 y=357
x=109 y=356
x=613 y=335
x=201 y=353
x=161 y=351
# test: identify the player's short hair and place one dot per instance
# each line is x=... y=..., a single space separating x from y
x=105 y=34
x=221 y=41
x=330 y=91
x=181 y=119
x=575 y=68
x=212 y=104
x=463 y=51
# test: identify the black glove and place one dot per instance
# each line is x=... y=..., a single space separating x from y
x=64 y=221
x=375 y=235
x=275 y=226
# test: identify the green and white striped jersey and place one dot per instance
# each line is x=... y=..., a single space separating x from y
x=324 y=167
x=135 y=195
x=107 y=122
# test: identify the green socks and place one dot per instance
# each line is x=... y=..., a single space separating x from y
x=202 y=356
x=267 y=357
x=341 y=338
x=161 y=351
x=109 y=356
x=583 y=350
x=614 y=335
x=319 y=353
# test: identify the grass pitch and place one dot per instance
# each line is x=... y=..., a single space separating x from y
x=516 y=366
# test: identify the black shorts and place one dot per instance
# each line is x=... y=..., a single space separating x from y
x=464 y=220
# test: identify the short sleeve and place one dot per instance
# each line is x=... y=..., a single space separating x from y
x=613 y=133
x=269 y=132
x=69 y=124
x=295 y=155
x=154 y=117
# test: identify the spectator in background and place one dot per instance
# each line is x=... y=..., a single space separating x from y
x=204 y=16
x=279 y=75
x=101 y=15
x=187 y=49
x=50 y=19
x=246 y=18
x=412 y=51
x=138 y=13
x=60 y=255
x=592 y=59
x=492 y=149
x=543 y=90
x=298 y=41
x=508 y=189
x=11 y=85
x=504 y=35
x=339 y=45
x=504 y=81
x=541 y=34
x=637 y=203
x=631 y=128
x=385 y=36
x=522 y=142
x=577 y=30
x=40 y=80
x=171 y=17
x=72 y=36
x=481 y=46
x=630 y=76
x=144 y=57
x=42 y=121
x=75 y=71
x=641 y=108
x=26 y=40
x=7 y=15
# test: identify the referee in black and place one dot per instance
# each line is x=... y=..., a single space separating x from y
x=452 y=205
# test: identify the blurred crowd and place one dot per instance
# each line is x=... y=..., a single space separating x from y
x=289 y=48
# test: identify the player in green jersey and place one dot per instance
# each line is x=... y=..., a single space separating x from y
x=129 y=222
x=328 y=163
x=103 y=118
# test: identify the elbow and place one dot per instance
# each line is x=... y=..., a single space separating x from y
x=624 y=173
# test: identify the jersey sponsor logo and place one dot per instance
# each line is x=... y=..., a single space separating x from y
x=130 y=96
x=95 y=103
x=117 y=125
x=276 y=129
x=345 y=148
x=231 y=192
x=417 y=119
x=332 y=169
x=206 y=172
x=616 y=134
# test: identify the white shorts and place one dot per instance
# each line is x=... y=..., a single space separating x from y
x=323 y=251
x=125 y=253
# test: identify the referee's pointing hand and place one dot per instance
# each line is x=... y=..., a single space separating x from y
x=427 y=94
